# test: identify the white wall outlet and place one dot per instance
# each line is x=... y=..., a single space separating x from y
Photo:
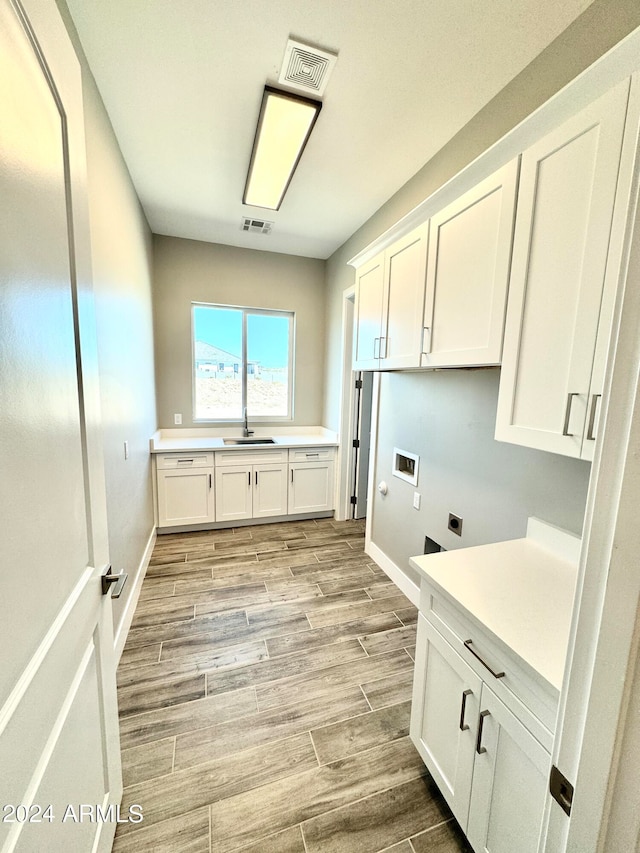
x=126 y=450
x=177 y=419
x=416 y=500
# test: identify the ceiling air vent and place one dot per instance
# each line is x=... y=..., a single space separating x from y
x=306 y=68
x=255 y=226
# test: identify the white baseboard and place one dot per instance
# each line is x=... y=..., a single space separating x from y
x=395 y=573
x=127 y=616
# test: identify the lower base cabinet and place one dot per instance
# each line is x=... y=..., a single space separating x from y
x=311 y=486
x=251 y=491
x=489 y=767
x=185 y=489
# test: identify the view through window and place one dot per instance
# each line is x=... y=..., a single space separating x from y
x=242 y=357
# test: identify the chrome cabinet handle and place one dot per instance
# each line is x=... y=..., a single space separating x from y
x=376 y=341
x=495 y=674
x=119 y=580
x=592 y=417
x=383 y=355
x=567 y=414
x=426 y=330
x=479 y=748
x=463 y=726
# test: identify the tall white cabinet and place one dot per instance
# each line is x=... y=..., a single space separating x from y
x=559 y=311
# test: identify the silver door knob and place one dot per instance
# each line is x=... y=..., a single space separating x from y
x=108 y=579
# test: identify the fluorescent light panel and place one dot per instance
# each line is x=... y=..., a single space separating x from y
x=285 y=124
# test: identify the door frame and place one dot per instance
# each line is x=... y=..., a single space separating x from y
x=347 y=409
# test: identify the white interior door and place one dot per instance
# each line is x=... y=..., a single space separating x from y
x=362 y=437
x=58 y=717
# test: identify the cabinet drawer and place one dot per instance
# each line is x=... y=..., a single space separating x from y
x=522 y=690
x=311 y=454
x=184 y=460
x=250 y=457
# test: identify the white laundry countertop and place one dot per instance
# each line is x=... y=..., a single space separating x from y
x=521 y=590
x=186 y=440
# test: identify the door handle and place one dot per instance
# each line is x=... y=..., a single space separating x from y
x=480 y=749
x=463 y=726
x=426 y=330
x=567 y=414
x=592 y=417
x=119 y=580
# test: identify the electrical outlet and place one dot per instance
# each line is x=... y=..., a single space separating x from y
x=126 y=450
x=416 y=500
x=177 y=419
x=455 y=524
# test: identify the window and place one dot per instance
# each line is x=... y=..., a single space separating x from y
x=242 y=357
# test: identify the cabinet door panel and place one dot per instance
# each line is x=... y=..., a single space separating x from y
x=270 y=492
x=468 y=274
x=311 y=487
x=368 y=315
x=234 y=492
x=565 y=207
x=509 y=784
x=185 y=496
x=442 y=683
x=405 y=270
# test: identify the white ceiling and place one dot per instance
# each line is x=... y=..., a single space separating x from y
x=182 y=81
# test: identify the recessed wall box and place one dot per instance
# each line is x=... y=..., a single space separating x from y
x=405 y=466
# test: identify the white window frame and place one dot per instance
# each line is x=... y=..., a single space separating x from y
x=246 y=310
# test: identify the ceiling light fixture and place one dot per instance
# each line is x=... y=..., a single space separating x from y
x=284 y=126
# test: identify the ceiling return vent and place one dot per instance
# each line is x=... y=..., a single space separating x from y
x=255 y=226
x=306 y=68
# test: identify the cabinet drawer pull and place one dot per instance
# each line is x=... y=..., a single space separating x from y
x=463 y=726
x=567 y=414
x=184 y=461
x=495 y=674
x=479 y=748
x=592 y=417
x=312 y=455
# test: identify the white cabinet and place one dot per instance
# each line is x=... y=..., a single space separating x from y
x=556 y=317
x=488 y=765
x=250 y=484
x=389 y=303
x=185 y=489
x=468 y=274
x=311 y=480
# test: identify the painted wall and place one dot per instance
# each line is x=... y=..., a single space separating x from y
x=121 y=259
x=448 y=419
x=398 y=529
x=187 y=271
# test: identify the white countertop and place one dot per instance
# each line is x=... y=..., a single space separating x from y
x=185 y=440
x=522 y=591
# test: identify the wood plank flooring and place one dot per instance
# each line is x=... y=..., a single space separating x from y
x=264 y=696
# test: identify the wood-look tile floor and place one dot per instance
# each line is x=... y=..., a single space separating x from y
x=264 y=696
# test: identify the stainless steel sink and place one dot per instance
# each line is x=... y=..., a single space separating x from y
x=249 y=440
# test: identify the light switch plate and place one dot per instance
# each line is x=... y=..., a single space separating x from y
x=177 y=419
x=416 y=500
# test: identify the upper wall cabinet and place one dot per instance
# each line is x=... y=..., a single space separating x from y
x=468 y=274
x=556 y=311
x=389 y=303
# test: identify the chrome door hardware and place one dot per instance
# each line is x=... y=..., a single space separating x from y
x=592 y=417
x=119 y=580
x=567 y=414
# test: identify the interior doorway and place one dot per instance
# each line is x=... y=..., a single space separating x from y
x=355 y=424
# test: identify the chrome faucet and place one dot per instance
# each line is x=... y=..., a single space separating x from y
x=246 y=432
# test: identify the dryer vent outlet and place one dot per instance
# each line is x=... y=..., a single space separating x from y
x=455 y=524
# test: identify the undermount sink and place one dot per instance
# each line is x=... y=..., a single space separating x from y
x=249 y=440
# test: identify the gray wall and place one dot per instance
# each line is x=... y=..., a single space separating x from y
x=121 y=259
x=187 y=271
x=403 y=397
x=448 y=418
